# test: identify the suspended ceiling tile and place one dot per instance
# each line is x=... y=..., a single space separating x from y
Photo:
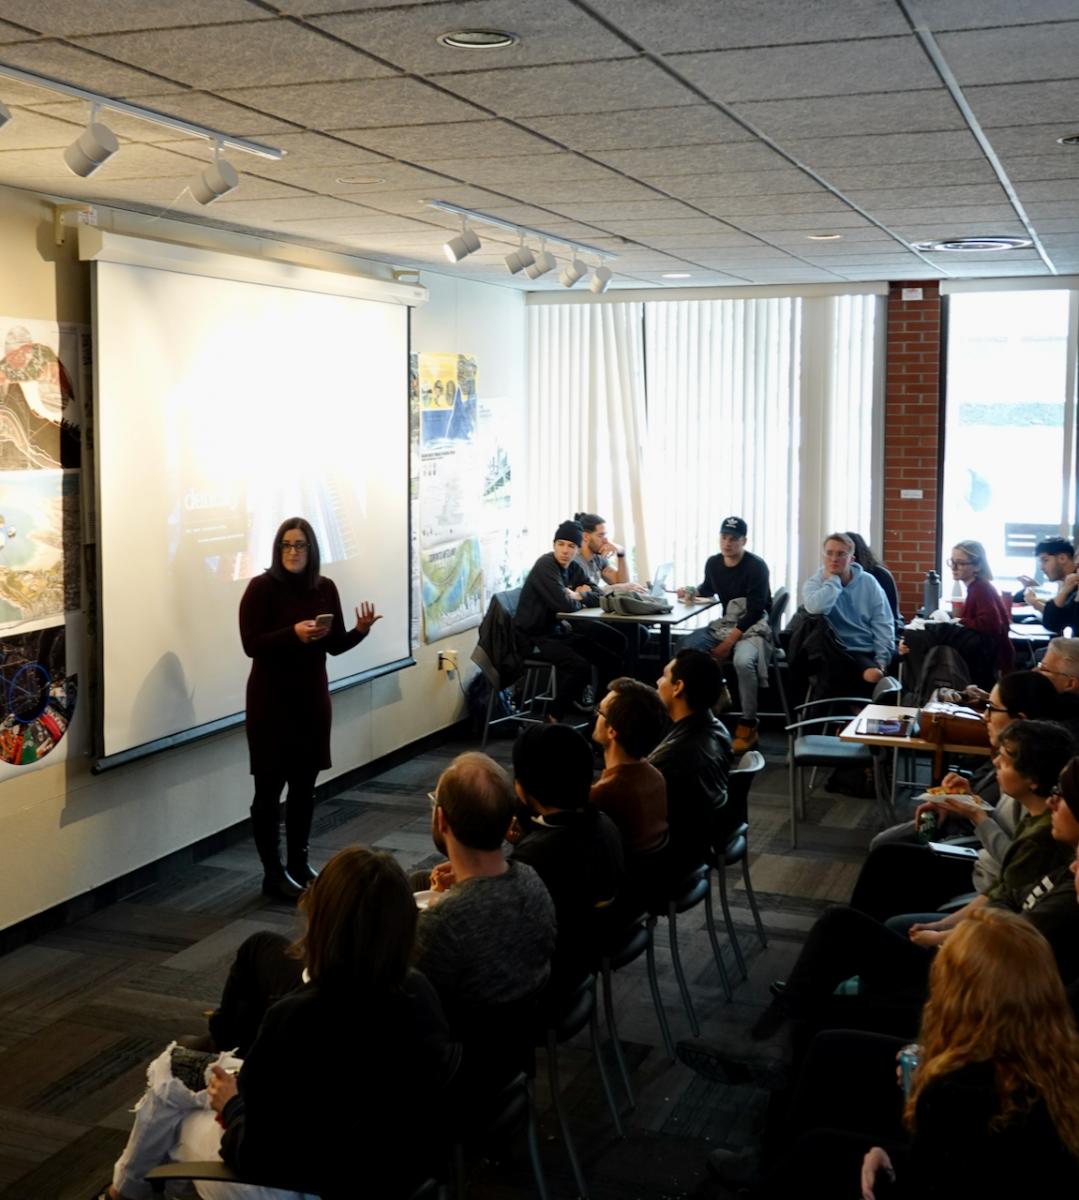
x=702 y=188
x=1023 y=170
x=262 y=53
x=28 y=130
x=70 y=18
x=197 y=107
x=539 y=167
x=564 y=190
x=929 y=174
x=927 y=197
x=824 y=153
x=1016 y=140
x=12 y=33
x=629 y=210
x=1015 y=54
x=683 y=125
x=317 y=149
x=366 y=177
x=738 y=207
x=306 y=208
x=838 y=116
x=820 y=69
x=1025 y=103
x=476 y=139
x=77 y=66
x=797 y=239
x=946 y=229
x=646 y=229
x=796 y=274
x=408 y=37
x=810 y=222
x=166 y=193
x=865 y=262
x=976 y=14
x=1066 y=207
x=692 y=24
x=356 y=104
x=956 y=216
x=527 y=214
x=134 y=161
x=579 y=88
x=687 y=243
x=985 y=270
x=693 y=160
x=410 y=201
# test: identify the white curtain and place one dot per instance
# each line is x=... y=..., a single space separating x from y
x=665 y=417
x=586 y=422
x=723 y=417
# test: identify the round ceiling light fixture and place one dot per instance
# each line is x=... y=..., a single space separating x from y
x=1069 y=139
x=478 y=39
x=360 y=180
x=973 y=245
x=824 y=237
x=676 y=275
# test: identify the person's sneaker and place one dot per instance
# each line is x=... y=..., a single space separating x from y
x=745 y=738
x=736 y=1168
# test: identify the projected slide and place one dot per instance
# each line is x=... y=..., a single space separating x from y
x=223 y=408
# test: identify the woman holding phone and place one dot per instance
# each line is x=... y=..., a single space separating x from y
x=290 y=618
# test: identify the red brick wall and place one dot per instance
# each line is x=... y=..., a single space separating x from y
x=912 y=438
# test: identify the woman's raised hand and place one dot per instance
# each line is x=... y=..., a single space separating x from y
x=366 y=617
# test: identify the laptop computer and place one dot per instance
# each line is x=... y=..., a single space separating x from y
x=658 y=586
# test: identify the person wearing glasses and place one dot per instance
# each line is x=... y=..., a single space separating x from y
x=1060 y=665
x=984 y=611
x=290 y=619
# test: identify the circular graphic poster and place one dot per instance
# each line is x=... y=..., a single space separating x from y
x=37 y=696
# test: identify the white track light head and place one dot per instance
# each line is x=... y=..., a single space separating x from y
x=91 y=149
x=571 y=272
x=519 y=259
x=601 y=276
x=544 y=262
x=217 y=180
x=464 y=244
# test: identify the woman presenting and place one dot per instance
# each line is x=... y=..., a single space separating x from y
x=290 y=616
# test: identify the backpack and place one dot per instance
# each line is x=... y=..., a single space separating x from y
x=630 y=605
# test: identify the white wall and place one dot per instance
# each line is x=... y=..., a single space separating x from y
x=63 y=830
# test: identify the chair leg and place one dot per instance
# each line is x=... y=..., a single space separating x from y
x=803 y=792
x=729 y=921
x=717 y=953
x=679 y=974
x=560 y=1113
x=487 y=718
x=597 y=1052
x=753 y=902
x=793 y=783
x=533 y=1147
x=653 y=984
x=612 y=1030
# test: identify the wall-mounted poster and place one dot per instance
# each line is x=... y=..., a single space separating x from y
x=452 y=588
x=44 y=387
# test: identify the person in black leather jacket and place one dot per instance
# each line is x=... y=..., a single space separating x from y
x=695 y=756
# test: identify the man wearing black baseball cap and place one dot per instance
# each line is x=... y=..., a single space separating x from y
x=557 y=584
x=742 y=635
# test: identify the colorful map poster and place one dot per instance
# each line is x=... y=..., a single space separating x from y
x=452 y=588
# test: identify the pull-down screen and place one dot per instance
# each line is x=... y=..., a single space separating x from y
x=223 y=407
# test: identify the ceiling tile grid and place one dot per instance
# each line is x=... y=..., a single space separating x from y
x=715 y=138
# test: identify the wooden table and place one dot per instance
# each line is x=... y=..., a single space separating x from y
x=665 y=621
x=916 y=745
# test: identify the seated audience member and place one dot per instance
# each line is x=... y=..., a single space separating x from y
x=844 y=942
x=984 y=611
x=300 y=1112
x=488 y=941
x=1060 y=664
x=1029 y=758
x=573 y=847
x=557 y=584
x=868 y=561
x=1056 y=561
x=901 y=873
x=993 y=1108
x=743 y=634
x=694 y=757
x=601 y=560
x=1056 y=557
x=630 y=722
x=854 y=649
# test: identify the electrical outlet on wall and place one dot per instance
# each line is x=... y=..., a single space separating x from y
x=447 y=661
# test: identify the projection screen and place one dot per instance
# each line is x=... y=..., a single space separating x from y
x=223 y=406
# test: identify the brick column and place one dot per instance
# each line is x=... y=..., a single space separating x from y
x=912 y=438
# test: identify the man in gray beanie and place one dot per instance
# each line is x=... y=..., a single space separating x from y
x=558 y=584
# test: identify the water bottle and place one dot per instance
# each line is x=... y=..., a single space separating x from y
x=931 y=593
x=928 y=826
x=909 y=1057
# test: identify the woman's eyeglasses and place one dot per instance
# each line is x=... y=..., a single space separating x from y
x=960 y=562
x=299 y=547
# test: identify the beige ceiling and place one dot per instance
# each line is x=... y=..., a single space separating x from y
x=700 y=136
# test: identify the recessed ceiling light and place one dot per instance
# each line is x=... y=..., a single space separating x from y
x=971 y=245
x=478 y=39
x=824 y=237
x=360 y=180
x=1070 y=139
x=676 y=275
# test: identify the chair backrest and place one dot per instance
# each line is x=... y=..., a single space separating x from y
x=780 y=600
x=740 y=780
x=507 y=601
x=887 y=691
